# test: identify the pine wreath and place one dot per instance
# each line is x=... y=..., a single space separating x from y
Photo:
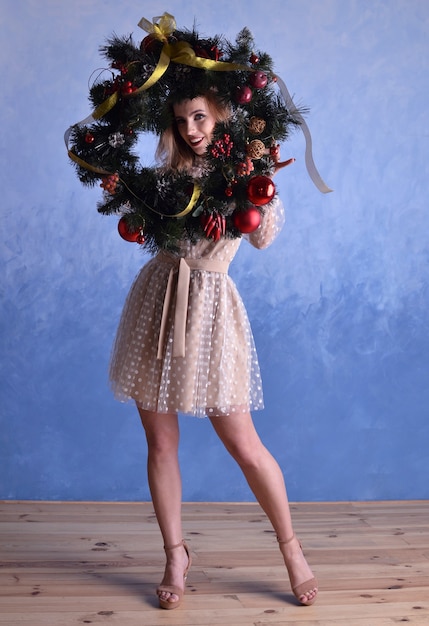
x=133 y=96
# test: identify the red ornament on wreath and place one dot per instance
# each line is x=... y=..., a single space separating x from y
x=247 y=221
x=260 y=190
x=134 y=236
x=214 y=225
x=258 y=80
x=150 y=43
x=254 y=58
x=243 y=95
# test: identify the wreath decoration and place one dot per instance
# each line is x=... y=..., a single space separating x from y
x=226 y=196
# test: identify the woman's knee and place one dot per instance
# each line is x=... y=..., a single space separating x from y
x=238 y=434
x=247 y=451
x=248 y=457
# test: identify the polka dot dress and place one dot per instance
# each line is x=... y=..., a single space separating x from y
x=217 y=372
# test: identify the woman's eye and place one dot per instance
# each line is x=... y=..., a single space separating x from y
x=199 y=116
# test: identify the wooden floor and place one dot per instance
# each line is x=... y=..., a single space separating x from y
x=98 y=563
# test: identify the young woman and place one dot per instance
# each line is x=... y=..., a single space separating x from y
x=184 y=345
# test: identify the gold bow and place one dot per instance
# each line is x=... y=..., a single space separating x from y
x=162 y=28
x=180 y=52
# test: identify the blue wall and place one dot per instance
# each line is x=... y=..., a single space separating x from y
x=339 y=305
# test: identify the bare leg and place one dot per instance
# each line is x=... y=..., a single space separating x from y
x=265 y=479
x=162 y=435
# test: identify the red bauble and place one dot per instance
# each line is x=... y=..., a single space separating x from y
x=258 y=80
x=254 y=58
x=128 y=234
x=149 y=43
x=243 y=95
x=247 y=221
x=89 y=137
x=260 y=190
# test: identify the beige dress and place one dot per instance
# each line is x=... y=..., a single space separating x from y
x=184 y=343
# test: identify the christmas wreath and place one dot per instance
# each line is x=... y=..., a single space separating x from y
x=133 y=95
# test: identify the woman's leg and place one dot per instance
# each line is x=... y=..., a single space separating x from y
x=265 y=479
x=162 y=435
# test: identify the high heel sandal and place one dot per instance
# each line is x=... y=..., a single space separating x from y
x=173 y=589
x=305 y=587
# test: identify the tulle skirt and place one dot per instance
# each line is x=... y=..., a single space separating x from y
x=219 y=372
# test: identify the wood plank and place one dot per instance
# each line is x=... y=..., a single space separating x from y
x=72 y=563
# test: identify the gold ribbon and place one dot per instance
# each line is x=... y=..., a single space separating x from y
x=178 y=52
x=183 y=53
x=178 y=285
x=195 y=195
x=87 y=166
x=98 y=170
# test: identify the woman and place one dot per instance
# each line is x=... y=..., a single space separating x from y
x=184 y=345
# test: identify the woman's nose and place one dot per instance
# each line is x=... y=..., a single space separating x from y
x=190 y=127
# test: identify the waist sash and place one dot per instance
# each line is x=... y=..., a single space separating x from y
x=178 y=286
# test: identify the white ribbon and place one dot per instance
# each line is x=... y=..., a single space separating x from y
x=309 y=162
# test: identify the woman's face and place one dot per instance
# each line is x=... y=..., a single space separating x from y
x=195 y=123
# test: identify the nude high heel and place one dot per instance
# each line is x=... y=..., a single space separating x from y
x=166 y=604
x=308 y=585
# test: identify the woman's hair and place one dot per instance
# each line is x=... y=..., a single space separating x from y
x=172 y=151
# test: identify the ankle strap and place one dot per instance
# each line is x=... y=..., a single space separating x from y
x=286 y=541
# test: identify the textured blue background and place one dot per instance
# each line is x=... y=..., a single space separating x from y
x=339 y=305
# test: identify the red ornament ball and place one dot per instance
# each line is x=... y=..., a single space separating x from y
x=243 y=95
x=258 y=80
x=247 y=221
x=260 y=190
x=254 y=58
x=89 y=138
x=127 y=233
x=149 y=43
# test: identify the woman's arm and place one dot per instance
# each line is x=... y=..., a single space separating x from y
x=271 y=224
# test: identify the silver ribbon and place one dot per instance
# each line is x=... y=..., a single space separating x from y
x=309 y=162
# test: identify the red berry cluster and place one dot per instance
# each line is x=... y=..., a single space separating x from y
x=109 y=183
x=125 y=87
x=222 y=147
x=245 y=167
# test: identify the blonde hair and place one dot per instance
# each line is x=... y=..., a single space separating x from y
x=172 y=151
